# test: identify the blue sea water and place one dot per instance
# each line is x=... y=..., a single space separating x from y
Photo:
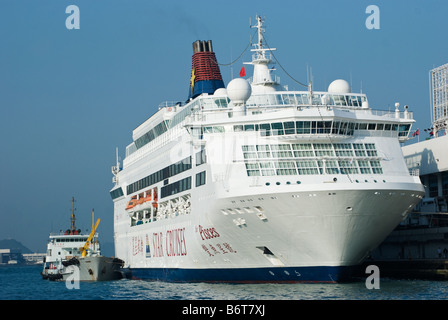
x=25 y=283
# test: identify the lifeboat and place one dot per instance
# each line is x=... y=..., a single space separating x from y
x=143 y=201
x=132 y=203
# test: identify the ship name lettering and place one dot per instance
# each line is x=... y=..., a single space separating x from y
x=208 y=233
x=175 y=243
x=137 y=245
x=158 y=244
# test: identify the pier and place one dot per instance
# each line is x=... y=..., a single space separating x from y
x=426 y=269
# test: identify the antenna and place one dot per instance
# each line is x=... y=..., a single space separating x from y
x=72 y=227
x=93 y=226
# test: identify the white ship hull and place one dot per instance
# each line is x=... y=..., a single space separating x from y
x=94 y=268
x=300 y=236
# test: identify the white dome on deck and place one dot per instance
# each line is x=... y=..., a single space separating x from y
x=339 y=86
x=239 y=90
x=221 y=92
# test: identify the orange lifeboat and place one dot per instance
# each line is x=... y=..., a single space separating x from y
x=141 y=198
x=132 y=203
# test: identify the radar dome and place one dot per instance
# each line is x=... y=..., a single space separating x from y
x=239 y=90
x=339 y=86
x=221 y=92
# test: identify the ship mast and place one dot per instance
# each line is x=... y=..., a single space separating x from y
x=72 y=227
x=262 y=81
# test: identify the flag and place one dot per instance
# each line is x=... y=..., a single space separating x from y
x=242 y=72
x=415 y=133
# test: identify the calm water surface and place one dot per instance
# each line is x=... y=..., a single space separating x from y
x=25 y=283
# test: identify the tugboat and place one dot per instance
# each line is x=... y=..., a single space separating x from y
x=76 y=255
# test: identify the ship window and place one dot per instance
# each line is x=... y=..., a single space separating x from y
x=263 y=147
x=344 y=129
x=249 y=127
x=160 y=175
x=200 y=157
x=403 y=130
x=355 y=101
x=289 y=127
x=363 y=126
x=285 y=168
x=323 y=149
x=267 y=169
x=277 y=129
x=359 y=150
x=307 y=167
x=265 y=129
x=364 y=167
x=371 y=150
x=332 y=158
x=387 y=126
x=176 y=187
x=335 y=129
x=200 y=178
x=331 y=167
x=303 y=127
x=343 y=149
x=263 y=151
x=252 y=169
x=302 y=146
x=281 y=151
x=248 y=148
x=323 y=127
x=348 y=166
x=116 y=193
x=250 y=155
x=376 y=166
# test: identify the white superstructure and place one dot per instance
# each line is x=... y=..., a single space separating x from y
x=254 y=183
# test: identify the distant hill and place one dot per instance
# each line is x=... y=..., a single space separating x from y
x=14 y=244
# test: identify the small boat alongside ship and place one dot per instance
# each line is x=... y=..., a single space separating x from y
x=77 y=255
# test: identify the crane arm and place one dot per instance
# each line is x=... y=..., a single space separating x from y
x=89 y=239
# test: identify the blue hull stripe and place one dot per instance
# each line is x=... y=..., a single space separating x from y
x=245 y=275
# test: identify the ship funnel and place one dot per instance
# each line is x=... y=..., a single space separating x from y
x=205 y=73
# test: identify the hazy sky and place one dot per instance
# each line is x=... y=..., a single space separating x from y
x=68 y=98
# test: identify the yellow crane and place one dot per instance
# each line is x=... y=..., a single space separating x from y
x=91 y=237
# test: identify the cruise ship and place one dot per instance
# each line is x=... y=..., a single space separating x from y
x=251 y=182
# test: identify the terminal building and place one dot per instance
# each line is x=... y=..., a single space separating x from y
x=11 y=256
x=424 y=233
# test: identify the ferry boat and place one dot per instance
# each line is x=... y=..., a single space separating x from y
x=251 y=182
x=77 y=256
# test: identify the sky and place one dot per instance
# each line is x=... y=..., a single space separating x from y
x=70 y=97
